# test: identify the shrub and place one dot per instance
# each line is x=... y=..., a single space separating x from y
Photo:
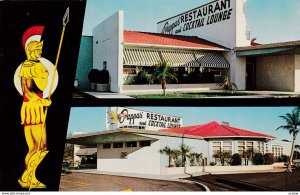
x=129 y=80
x=278 y=159
x=258 y=159
x=236 y=160
x=97 y=76
x=177 y=162
x=226 y=84
x=104 y=77
x=94 y=76
x=268 y=159
x=142 y=77
x=212 y=164
x=285 y=158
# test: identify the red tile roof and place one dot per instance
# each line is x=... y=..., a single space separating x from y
x=147 y=38
x=214 y=129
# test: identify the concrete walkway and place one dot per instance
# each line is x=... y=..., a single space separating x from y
x=108 y=95
x=250 y=94
x=267 y=94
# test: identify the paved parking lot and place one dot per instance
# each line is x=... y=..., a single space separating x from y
x=271 y=181
x=96 y=182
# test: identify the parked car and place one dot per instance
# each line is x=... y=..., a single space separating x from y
x=296 y=162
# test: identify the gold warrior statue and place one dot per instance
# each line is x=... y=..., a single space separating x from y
x=34 y=79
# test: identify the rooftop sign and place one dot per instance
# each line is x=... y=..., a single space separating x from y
x=207 y=14
x=121 y=117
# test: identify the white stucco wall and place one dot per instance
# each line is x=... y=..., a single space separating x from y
x=142 y=161
x=237 y=69
x=297 y=73
x=75 y=157
x=241 y=24
x=229 y=32
x=108 y=46
x=275 y=73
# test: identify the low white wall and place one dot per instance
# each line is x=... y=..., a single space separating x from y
x=279 y=165
x=213 y=169
x=156 y=89
x=181 y=170
x=146 y=160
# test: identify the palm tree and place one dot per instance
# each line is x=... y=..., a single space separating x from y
x=224 y=156
x=195 y=158
x=170 y=153
x=292 y=126
x=227 y=84
x=162 y=74
x=184 y=151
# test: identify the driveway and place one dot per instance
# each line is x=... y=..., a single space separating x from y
x=95 y=182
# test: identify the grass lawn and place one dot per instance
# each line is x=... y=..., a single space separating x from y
x=189 y=95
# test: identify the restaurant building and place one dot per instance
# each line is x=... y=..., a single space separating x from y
x=202 y=46
x=132 y=141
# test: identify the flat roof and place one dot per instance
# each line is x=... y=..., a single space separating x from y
x=270 y=46
x=291 y=47
x=121 y=135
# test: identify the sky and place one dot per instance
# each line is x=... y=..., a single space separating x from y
x=259 y=119
x=269 y=20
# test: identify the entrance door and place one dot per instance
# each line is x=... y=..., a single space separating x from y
x=250 y=76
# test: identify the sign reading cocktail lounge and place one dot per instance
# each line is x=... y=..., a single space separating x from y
x=208 y=14
x=149 y=120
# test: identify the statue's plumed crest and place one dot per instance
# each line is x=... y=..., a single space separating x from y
x=33 y=33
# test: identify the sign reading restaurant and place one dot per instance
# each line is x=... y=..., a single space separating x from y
x=121 y=117
x=205 y=15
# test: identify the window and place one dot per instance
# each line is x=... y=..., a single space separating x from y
x=211 y=75
x=277 y=151
x=106 y=146
x=241 y=147
x=216 y=147
x=227 y=147
x=261 y=147
x=118 y=145
x=131 y=144
x=129 y=70
x=145 y=143
x=249 y=146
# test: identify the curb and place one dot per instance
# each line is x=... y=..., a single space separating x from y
x=198 y=183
